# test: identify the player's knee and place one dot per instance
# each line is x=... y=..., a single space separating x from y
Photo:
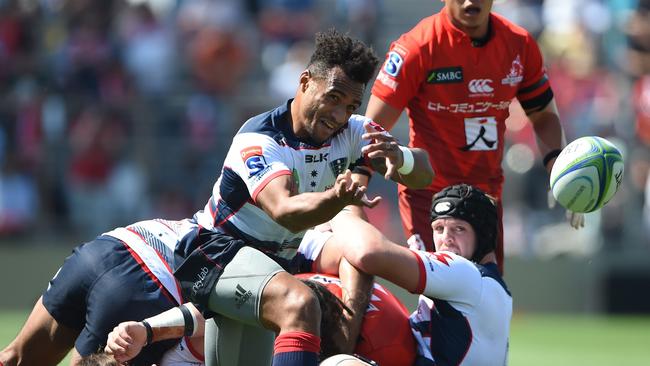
x=366 y=255
x=299 y=309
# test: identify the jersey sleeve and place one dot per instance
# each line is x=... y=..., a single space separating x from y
x=400 y=76
x=535 y=90
x=257 y=160
x=449 y=277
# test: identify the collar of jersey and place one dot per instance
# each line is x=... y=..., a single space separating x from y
x=459 y=35
x=281 y=121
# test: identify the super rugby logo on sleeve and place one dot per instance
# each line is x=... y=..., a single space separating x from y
x=393 y=64
x=253 y=159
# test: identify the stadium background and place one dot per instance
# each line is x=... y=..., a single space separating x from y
x=114 y=111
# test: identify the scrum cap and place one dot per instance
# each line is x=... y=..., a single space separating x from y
x=469 y=203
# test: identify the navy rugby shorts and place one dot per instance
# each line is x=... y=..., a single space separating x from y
x=101 y=285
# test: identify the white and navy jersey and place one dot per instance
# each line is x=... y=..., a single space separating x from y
x=153 y=244
x=263 y=149
x=182 y=355
x=468 y=321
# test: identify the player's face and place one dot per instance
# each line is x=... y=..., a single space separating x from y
x=471 y=16
x=454 y=235
x=326 y=105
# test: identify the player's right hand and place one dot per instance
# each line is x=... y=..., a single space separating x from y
x=350 y=192
x=126 y=341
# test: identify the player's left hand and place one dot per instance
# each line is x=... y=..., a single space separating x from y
x=576 y=219
x=126 y=341
x=383 y=145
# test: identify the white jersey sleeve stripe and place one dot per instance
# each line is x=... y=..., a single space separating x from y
x=266 y=181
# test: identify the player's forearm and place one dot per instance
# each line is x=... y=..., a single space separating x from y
x=356 y=290
x=548 y=131
x=422 y=174
x=305 y=210
x=174 y=323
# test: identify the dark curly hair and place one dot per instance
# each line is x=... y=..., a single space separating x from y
x=98 y=359
x=332 y=309
x=357 y=60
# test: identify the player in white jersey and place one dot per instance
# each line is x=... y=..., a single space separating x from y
x=464 y=313
x=121 y=275
x=287 y=170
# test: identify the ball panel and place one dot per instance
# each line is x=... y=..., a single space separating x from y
x=577 y=189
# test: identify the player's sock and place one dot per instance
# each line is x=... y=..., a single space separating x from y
x=296 y=349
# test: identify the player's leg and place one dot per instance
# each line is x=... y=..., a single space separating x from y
x=41 y=341
x=126 y=290
x=255 y=290
x=415 y=211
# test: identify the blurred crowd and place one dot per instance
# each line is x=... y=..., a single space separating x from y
x=117 y=110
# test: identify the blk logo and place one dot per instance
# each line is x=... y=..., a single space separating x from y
x=316 y=158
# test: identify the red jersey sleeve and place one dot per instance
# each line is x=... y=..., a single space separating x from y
x=535 y=91
x=400 y=76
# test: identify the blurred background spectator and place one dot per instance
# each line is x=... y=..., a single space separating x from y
x=117 y=110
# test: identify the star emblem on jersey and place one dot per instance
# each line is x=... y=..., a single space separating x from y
x=312 y=184
x=314 y=174
x=442 y=258
x=338 y=166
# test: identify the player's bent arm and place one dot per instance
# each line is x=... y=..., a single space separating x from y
x=298 y=212
x=128 y=338
x=549 y=131
x=382 y=113
x=41 y=341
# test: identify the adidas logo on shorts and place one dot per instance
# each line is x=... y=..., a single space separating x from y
x=241 y=296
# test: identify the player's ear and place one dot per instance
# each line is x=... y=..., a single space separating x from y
x=305 y=77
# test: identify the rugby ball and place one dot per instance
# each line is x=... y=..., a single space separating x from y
x=586 y=174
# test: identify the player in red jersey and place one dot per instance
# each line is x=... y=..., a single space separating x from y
x=456 y=73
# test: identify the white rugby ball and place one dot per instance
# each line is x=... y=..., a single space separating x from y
x=587 y=174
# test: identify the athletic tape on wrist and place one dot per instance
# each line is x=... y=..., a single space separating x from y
x=189 y=321
x=551 y=154
x=408 y=163
x=147 y=327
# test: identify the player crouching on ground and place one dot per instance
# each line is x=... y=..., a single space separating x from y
x=464 y=313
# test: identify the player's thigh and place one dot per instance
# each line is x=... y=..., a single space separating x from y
x=229 y=343
x=319 y=252
x=125 y=292
x=238 y=291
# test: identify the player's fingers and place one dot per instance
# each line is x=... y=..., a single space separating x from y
x=550 y=199
x=379 y=136
x=391 y=170
x=370 y=203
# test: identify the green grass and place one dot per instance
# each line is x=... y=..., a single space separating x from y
x=536 y=339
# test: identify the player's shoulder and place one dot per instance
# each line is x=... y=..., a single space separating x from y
x=507 y=29
x=422 y=33
x=491 y=270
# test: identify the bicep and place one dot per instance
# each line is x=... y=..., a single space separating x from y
x=271 y=197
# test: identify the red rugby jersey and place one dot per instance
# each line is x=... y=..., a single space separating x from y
x=457 y=94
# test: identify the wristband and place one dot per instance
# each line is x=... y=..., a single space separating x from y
x=550 y=156
x=188 y=319
x=147 y=326
x=408 y=161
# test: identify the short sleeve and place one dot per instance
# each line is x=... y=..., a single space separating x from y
x=535 y=90
x=258 y=159
x=402 y=72
x=450 y=277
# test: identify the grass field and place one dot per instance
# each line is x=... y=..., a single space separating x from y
x=557 y=340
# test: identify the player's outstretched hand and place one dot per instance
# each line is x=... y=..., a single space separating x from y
x=383 y=145
x=351 y=192
x=576 y=219
x=126 y=341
